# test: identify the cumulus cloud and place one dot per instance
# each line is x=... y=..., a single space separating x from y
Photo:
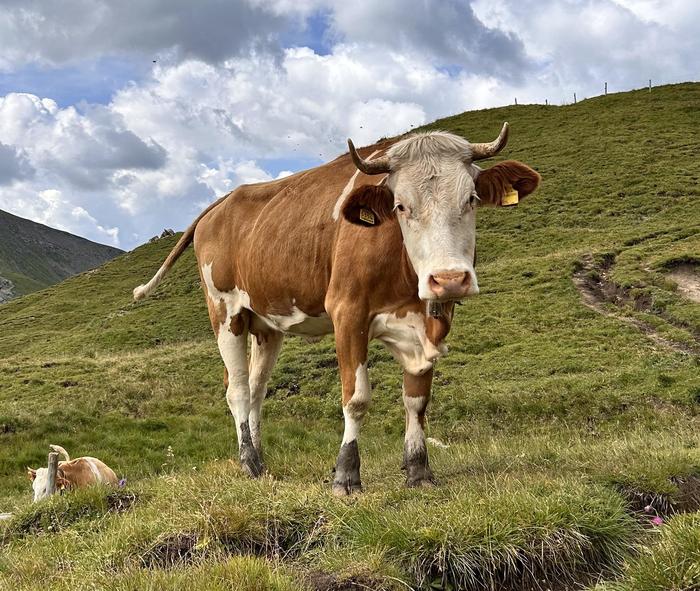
x=61 y=32
x=579 y=46
x=14 y=164
x=237 y=97
x=448 y=32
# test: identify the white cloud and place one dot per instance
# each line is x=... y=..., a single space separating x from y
x=578 y=46
x=14 y=164
x=214 y=111
x=69 y=31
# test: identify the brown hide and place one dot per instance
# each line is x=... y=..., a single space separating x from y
x=77 y=473
x=278 y=241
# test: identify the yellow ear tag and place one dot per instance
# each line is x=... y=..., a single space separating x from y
x=510 y=198
x=367 y=216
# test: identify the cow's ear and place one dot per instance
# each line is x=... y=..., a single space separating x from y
x=506 y=183
x=31 y=473
x=62 y=483
x=369 y=205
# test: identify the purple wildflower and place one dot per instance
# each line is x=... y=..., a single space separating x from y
x=122 y=483
x=657 y=520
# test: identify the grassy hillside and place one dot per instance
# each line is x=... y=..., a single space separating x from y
x=568 y=429
x=33 y=256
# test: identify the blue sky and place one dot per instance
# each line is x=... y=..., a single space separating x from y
x=119 y=119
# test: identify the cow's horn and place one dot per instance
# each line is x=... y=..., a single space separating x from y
x=378 y=166
x=481 y=151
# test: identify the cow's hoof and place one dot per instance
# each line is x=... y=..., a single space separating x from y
x=345 y=489
x=421 y=483
x=347 y=471
x=419 y=474
x=251 y=463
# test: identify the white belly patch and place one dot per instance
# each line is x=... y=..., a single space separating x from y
x=299 y=323
x=406 y=339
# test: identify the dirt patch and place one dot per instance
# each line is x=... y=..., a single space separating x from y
x=320 y=581
x=687 y=277
x=171 y=550
x=597 y=289
x=121 y=501
x=686 y=498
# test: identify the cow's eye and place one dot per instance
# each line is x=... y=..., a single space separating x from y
x=399 y=207
x=473 y=198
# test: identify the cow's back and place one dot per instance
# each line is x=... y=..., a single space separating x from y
x=275 y=241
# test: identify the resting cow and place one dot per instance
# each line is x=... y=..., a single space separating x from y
x=71 y=474
x=377 y=244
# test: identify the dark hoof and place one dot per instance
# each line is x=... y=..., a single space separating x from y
x=347 y=471
x=251 y=462
x=418 y=472
x=428 y=482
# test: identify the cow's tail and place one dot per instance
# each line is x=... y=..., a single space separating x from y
x=143 y=291
x=63 y=452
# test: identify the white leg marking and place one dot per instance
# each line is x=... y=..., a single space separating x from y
x=233 y=348
x=233 y=352
x=415 y=437
x=262 y=360
x=356 y=407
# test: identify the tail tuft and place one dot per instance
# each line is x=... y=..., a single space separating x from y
x=141 y=292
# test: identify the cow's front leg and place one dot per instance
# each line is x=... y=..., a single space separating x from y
x=351 y=346
x=416 y=395
x=232 y=340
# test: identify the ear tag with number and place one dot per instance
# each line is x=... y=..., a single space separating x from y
x=367 y=216
x=510 y=198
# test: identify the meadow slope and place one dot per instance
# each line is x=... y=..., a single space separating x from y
x=566 y=430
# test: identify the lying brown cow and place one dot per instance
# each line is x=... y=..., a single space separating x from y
x=373 y=245
x=71 y=474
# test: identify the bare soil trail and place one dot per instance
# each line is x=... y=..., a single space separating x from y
x=597 y=290
x=687 y=278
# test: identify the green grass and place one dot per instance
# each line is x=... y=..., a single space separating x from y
x=561 y=423
x=672 y=561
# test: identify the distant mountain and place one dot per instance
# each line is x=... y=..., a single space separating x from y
x=34 y=256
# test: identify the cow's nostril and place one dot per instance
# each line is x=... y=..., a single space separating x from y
x=449 y=283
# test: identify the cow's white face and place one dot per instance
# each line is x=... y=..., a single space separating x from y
x=436 y=207
x=432 y=180
x=39 y=484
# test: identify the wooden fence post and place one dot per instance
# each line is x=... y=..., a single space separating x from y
x=574 y=98
x=51 y=476
x=606 y=89
x=649 y=85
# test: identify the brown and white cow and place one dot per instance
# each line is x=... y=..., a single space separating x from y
x=377 y=244
x=71 y=474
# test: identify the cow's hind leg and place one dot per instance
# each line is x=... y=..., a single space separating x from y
x=264 y=350
x=232 y=339
x=416 y=395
